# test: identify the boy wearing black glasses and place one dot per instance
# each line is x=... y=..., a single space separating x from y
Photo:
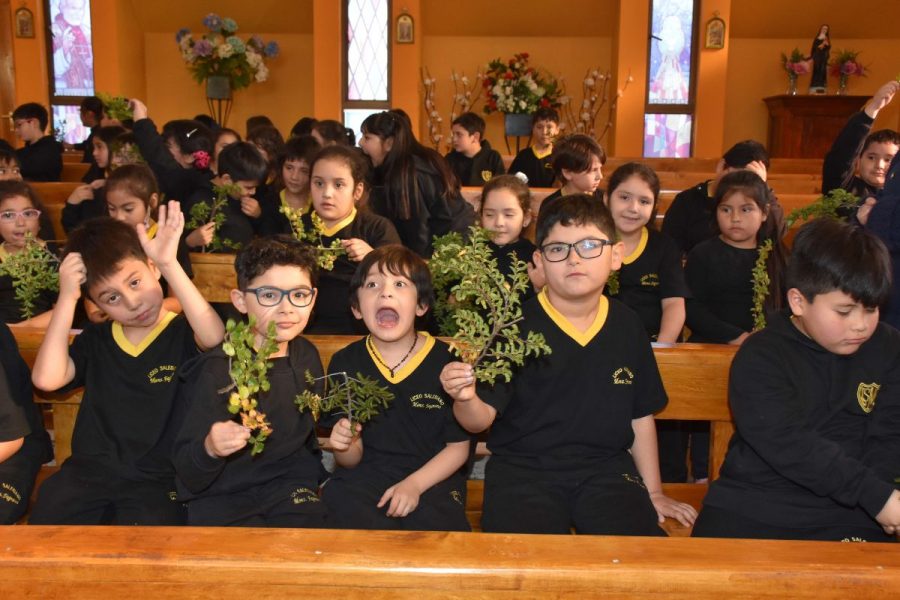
x=572 y=441
x=222 y=482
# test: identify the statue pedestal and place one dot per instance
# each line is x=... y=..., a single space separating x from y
x=806 y=126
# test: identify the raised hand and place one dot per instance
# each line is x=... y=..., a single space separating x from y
x=163 y=248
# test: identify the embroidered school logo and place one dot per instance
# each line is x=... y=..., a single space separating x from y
x=623 y=376
x=486 y=175
x=426 y=401
x=456 y=496
x=865 y=395
x=303 y=495
x=8 y=493
x=161 y=374
x=650 y=280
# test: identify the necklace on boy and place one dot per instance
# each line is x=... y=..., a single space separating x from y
x=376 y=355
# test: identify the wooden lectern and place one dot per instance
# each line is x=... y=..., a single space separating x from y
x=804 y=126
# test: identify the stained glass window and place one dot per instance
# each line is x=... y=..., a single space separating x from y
x=67 y=124
x=72 y=53
x=367 y=50
x=668 y=118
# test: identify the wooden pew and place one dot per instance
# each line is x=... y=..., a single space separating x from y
x=704 y=165
x=214 y=275
x=72 y=156
x=74 y=171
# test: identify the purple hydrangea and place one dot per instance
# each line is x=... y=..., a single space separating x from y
x=229 y=25
x=203 y=48
x=213 y=22
x=179 y=35
x=271 y=50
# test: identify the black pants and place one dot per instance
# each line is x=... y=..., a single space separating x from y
x=352 y=497
x=524 y=500
x=722 y=523
x=88 y=495
x=674 y=438
x=17 y=474
x=286 y=502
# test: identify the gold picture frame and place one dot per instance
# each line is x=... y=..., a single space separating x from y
x=715 y=33
x=24 y=23
x=405 y=29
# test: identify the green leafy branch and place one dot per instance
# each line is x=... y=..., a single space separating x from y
x=32 y=270
x=826 y=205
x=761 y=283
x=485 y=306
x=326 y=255
x=203 y=213
x=360 y=397
x=116 y=107
x=247 y=367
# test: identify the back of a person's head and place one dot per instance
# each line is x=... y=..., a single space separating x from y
x=400 y=261
x=882 y=136
x=269 y=139
x=9 y=158
x=545 y=114
x=94 y=105
x=828 y=255
x=261 y=254
x=136 y=180
x=124 y=150
x=109 y=133
x=574 y=210
x=303 y=126
x=302 y=148
x=210 y=123
x=743 y=153
x=189 y=135
x=472 y=123
x=242 y=161
x=334 y=132
x=103 y=244
x=32 y=110
x=576 y=153
x=257 y=121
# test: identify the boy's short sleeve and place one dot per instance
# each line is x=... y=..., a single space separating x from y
x=13 y=421
x=650 y=394
x=80 y=351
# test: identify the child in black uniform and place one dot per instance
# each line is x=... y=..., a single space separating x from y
x=24 y=444
x=816 y=404
x=572 y=437
x=534 y=161
x=403 y=469
x=120 y=470
x=217 y=475
x=651 y=280
x=472 y=159
x=578 y=163
x=338 y=181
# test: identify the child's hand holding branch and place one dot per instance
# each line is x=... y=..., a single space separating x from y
x=341 y=437
x=225 y=438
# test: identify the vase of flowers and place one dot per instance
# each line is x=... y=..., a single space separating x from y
x=223 y=61
x=795 y=65
x=513 y=87
x=844 y=65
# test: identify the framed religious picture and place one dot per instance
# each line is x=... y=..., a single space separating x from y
x=24 y=23
x=715 y=33
x=405 y=32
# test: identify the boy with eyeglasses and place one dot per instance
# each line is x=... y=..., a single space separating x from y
x=222 y=482
x=572 y=440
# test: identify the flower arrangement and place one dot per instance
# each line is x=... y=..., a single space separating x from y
x=221 y=53
x=845 y=64
x=795 y=64
x=515 y=88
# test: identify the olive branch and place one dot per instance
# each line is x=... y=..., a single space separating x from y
x=482 y=305
x=826 y=205
x=203 y=213
x=247 y=367
x=761 y=284
x=360 y=397
x=325 y=255
x=32 y=271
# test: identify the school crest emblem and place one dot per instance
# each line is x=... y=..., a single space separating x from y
x=865 y=395
x=486 y=175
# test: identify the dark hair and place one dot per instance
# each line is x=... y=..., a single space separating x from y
x=575 y=209
x=743 y=153
x=576 y=152
x=353 y=158
x=136 y=180
x=270 y=140
x=303 y=148
x=303 y=126
x=9 y=156
x=190 y=136
x=643 y=172
x=829 y=255
x=32 y=110
x=752 y=186
x=92 y=104
x=396 y=260
x=335 y=132
x=109 y=134
x=257 y=121
x=471 y=122
x=103 y=244
x=242 y=161
x=882 y=136
x=226 y=131
x=399 y=168
x=545 y=114
x=11 y=189
x=508 y=182
x=210 y=123
x=261 y=254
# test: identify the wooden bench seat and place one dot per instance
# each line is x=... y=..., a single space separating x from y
x=224 y=563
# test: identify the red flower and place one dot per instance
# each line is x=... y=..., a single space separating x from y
x=544 y=103
x=509 y=75
x=201 y=159
x=524 y=55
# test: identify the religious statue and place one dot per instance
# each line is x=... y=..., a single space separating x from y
x=821 y=49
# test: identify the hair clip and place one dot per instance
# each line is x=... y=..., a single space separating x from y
x=521 y=177
x=190 y=133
